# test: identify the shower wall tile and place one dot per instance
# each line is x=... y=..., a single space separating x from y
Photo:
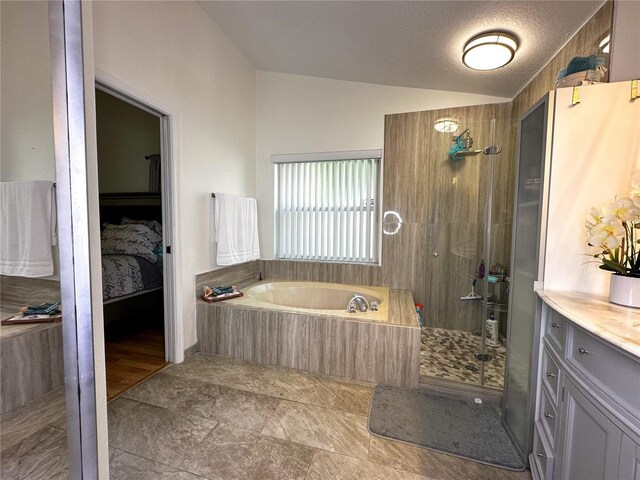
x=406 y=165
x=459 y=250
x=403 y=259
x=504 y=166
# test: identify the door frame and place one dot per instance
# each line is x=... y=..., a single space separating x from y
x=86 y=420
x=173 y=331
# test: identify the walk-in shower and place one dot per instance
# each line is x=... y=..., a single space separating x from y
x=468 y=235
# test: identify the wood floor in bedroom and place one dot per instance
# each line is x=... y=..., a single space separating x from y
x=131 y=358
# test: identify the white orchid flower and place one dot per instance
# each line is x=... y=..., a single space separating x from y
x=624 y=209
x=605 y=234
x=594 y=217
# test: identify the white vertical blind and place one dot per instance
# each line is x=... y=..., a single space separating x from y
x=328 y=210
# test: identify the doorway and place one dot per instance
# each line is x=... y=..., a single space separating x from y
x=133 y=171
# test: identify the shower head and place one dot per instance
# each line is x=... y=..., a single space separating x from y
x=492 y=150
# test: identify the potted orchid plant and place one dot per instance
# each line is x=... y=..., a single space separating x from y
x=615 y=232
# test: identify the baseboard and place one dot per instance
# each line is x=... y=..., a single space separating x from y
x=450 y=387
x=195 y=348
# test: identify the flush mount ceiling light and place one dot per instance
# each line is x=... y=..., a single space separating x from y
x=489 y=51
x=446 y=125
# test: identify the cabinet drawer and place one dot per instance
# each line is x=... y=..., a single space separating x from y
x=550 y=375
x=614 y=372
x=556 y=328
x=542 y=454
x=547 y=416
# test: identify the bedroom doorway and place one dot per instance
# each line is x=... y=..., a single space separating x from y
x=134 y=188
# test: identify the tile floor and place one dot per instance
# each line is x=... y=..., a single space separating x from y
x=446 y=354
x=218 y=418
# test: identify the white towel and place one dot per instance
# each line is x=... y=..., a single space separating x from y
x=27 y=228
x=236 y=221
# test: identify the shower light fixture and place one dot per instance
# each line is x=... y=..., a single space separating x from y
x=446 y=125
x=489 y=51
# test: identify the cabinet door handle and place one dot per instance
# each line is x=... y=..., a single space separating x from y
x=555 y=325
x=582 y=351
x=550 y=374
x=548 y=415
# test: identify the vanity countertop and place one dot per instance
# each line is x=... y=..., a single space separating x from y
x=617 y=325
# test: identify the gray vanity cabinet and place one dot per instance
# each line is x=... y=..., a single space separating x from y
x=587 y=406
x=590 y=443
x=629 y=459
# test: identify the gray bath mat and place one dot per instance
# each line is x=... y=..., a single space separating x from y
x=443 y=423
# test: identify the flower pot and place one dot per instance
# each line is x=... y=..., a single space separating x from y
x=625 y=291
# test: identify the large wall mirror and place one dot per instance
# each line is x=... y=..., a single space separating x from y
x=47 y=394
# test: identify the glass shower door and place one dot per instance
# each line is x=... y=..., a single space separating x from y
x=458 y=242
x=523 y=327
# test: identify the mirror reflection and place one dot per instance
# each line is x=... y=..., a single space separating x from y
x=32 y=404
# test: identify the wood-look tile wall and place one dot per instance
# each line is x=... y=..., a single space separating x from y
x=240 y=275
x=31 y=362
x=16 y=292
x=31 y=365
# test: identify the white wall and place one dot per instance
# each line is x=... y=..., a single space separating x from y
x=126 y=134
x=172 y=55
x=26 y=112
x=25 y=102
x=300 y=114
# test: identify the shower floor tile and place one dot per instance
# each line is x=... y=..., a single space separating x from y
x=449 y=354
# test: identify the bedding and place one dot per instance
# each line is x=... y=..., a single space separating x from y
x=130 y=239
x=151 y=224
x=126 y=274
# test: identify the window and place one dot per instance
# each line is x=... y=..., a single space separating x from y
x=327 y=206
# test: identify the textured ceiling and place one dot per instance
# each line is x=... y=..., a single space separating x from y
x=410 y=44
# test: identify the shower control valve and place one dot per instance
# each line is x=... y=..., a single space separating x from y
x=373 y=306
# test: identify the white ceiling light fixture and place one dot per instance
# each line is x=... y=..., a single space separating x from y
x=489 y=51
x=446 y=125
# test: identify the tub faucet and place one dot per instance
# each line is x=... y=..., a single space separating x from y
x=362 y=302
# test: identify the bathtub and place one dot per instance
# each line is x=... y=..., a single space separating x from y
x=305 y=325
x=318 y=298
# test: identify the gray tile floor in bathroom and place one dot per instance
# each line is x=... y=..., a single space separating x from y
x=449 y=354
x=218 y=418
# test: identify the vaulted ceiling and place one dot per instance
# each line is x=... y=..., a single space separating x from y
x=403 y=43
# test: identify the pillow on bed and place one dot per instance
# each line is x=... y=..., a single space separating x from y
x=152 y=224
x=134 y=239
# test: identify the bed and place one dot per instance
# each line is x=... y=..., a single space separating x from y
x=132 y=254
